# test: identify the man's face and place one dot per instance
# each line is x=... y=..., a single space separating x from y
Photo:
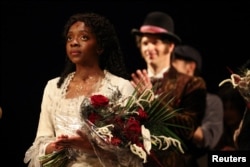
x=154 y=50
x=182 y=66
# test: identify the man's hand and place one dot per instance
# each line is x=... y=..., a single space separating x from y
x=141 y=81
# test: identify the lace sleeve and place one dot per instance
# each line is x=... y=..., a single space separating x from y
x=36 y=150
x=45 y=132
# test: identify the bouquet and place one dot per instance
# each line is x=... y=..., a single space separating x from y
x=55 y=159
x=130 y=129
x=123 y=132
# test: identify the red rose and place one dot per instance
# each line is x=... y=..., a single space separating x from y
x=115 y=141
x=93 y=117
x=99 y=101
x=133 y=126
x=132 y=130
x=142 y=114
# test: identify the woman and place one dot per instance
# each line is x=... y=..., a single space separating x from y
x=94 y=65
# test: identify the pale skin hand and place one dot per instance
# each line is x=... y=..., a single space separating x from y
x=140 y=80
x=79 y=141
x=198 y=136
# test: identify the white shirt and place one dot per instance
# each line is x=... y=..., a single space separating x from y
x=159 y=75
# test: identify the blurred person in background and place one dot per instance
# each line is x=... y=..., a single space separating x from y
x=188 y=60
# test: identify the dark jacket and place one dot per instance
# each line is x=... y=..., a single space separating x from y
x=189 y=95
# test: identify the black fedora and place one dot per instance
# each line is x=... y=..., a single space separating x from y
x=158 y=23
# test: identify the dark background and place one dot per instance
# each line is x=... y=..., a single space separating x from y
x=32 y=51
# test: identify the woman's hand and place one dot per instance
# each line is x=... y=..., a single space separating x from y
x=55 y=145
x=79 y=141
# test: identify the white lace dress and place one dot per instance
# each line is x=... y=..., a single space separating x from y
x=60 y=115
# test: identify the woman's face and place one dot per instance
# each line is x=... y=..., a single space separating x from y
x=81 y=44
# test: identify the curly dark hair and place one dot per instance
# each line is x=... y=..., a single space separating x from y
x=111 y=58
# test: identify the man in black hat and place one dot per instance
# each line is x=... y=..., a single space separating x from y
x=187 y=59
x=157 y=30
x=156 y=41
